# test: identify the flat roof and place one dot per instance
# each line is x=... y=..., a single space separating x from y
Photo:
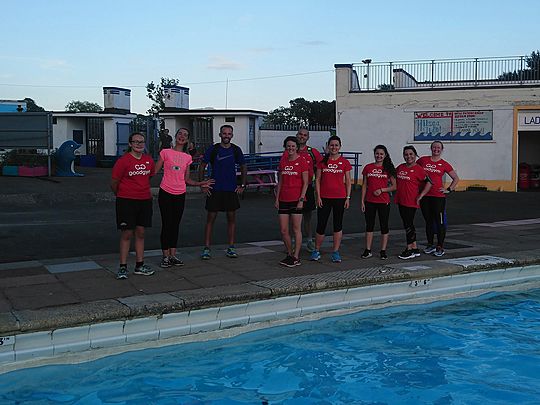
x=211 y=112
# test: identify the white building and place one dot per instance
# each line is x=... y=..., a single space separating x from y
x=102 y=134
x=489 y=123
x=204 y=123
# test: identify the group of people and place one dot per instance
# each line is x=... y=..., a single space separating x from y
x=306 y=181
x=418 y=183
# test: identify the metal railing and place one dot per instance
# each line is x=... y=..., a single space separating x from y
x=446 y=73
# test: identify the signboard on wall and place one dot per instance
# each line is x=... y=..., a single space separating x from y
x=529 y=121
x=453 y=126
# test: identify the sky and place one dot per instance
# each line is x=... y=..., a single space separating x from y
x=238 y=54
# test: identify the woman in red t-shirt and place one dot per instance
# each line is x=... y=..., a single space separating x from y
x=290 y=197
x=131 y=185
x=433 y=205
x=379 y=180
x=333 y=189
x=412 y=185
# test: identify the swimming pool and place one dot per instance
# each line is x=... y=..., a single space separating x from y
x=484 y=349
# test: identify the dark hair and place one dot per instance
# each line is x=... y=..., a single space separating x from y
x=292 y=139
x=225 y=126
x=131 y=138
x=185 y=148
x=410 y=147
x=327 y=155
x=387 y=163
x=442 y=145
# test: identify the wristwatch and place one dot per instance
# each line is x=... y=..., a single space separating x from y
x=301 y=199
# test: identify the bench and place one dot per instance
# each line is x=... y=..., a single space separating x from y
x=261 y=178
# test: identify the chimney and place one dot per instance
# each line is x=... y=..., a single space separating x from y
x=116 y=100
x=176 y=98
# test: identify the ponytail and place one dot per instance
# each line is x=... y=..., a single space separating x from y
x=387 y=163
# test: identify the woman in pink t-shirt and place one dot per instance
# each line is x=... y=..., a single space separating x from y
x=290 y=197
x=172 y=194
x=412 y=185
x=333 y=190
x=379 y=180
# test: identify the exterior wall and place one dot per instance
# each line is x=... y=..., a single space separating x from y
x=369 y=118
x=240 y=125
x=272 y=140
x=110 y=134
x=63 y=131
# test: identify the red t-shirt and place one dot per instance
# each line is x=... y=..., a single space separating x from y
x=134 y=176
x=291 y=178
x=376 y=178
x=333 y=177
x=410 y=182
x=435 y=171
x=306 y=155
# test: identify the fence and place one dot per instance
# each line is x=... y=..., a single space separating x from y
x=474 y=72
x=270 y=161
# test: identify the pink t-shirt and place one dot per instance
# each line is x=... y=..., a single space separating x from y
x=175 y=165
x=291 y=178
x=410 y=182
x=134 y=176
x=333 y=177
x=376 y=178
x=435 y=171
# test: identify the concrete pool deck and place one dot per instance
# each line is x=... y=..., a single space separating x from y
x=43 y=295
x=49 y=307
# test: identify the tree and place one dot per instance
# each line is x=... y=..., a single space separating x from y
x=302 y=112
x=31 y=106
x=532 y=72
x=155 y=93
x=83 y=106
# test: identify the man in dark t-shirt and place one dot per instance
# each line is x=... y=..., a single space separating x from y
x=223 y=158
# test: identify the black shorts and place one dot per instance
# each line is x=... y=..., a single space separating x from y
x=222 y=201
x=309 y=203
x=131 y=213
x=289 y=208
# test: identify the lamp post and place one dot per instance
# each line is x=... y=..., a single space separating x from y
x=367 y=62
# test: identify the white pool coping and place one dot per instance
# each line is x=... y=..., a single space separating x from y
x=83 y=343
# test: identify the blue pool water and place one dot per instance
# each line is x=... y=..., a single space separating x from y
x=474 y=351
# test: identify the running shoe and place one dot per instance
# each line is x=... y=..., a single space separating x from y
x=296 y=262
x=122 y=273
x=288 y=261
x=231 y=252
x=315 y=255
x=439 y=252
x=407 y=254
x=416 y=252
x=310 y=245
x=175 y=261
x=205 y=255
x=367 y=254
x=143 y=270
x=383 y=255
x=336 y=257
x=165 y=263
x=430 y=249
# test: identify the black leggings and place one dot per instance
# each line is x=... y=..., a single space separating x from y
x=337 y=206
x=171 y=207
x=371 y=210
x=407 y=216
x=433 y=210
